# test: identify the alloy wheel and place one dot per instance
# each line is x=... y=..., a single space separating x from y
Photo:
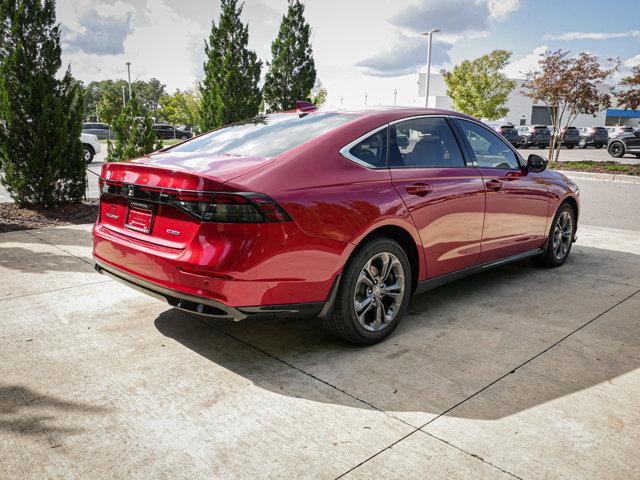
x=562 y=233
x=615 y=150
x=379 y=291
x=87 y=155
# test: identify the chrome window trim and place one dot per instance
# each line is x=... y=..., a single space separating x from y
x=344 y=151
x=520 y=160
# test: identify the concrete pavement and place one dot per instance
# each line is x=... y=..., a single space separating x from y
x=519 y=372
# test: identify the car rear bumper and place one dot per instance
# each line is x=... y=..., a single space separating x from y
x=206 y=306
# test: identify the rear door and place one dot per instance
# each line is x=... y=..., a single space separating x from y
x=516 y=200
x=444 y=196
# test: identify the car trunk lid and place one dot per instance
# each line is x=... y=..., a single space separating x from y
x=156 y=199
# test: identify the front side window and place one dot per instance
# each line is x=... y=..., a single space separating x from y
x=488 y=148
x=424 y=142
x=266 y=135
x=372 y=150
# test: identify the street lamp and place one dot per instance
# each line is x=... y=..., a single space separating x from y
x=395 y=95
x=430 y=33
x=365 y=98
x=129 y=75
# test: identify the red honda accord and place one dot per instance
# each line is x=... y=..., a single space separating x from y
x=341 y=214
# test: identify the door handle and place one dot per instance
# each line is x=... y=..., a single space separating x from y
x=494 y=185
x=420 y=189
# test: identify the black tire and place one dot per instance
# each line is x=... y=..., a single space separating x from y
x=88 y=153
x=550 y=258
x=582 y=143
x=570 y=146
x=637 y=155
x=343 y=321
x=616 y=149
x=524 y=143
x=598 y=145
x=183 y=137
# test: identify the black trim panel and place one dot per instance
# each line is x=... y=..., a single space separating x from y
x=435 y=282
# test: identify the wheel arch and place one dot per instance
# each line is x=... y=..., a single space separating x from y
x=573 y=203
x=90 y=147
x=408 y=241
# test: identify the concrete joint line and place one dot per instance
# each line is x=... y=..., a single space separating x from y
x=61 y=249
x=56 y=290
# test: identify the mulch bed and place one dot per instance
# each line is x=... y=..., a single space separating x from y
x=14 y=218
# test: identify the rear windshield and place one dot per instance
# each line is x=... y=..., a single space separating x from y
x=267 y=135
x=600 y=129
x=540 y=128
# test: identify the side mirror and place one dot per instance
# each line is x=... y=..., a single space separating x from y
x=536 y=164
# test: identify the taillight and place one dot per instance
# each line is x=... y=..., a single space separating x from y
x=234 y=208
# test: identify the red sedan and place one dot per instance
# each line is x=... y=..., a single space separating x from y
x=341 y=214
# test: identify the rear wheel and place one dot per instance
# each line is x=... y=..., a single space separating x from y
x=598 y=145
x=616 y=149
x=524 y=143
x=570 y=146
x=87 y=153
x=373 y=293
x=582 y=143
x=560 y=238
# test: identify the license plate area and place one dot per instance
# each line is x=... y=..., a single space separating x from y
x=139 y=217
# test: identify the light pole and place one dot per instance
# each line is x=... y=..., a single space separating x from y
x=129 y=75
x=395 y=95
x=365 y=98
x=341 y=99
x=430 y=33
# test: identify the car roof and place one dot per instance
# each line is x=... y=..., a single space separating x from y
x=390 y=113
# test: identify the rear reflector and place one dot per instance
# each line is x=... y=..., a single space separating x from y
x=241 y=207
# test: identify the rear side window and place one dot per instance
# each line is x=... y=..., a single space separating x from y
x=372 y=150
x=424 y=142
x=488 y=148
x=267 y=135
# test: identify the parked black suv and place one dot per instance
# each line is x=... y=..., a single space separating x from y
x=539 y=135
x=169 y=131
x=570 y=137
x=100 y=130
x=510 y=133
x=628 y=142
x=596 y=136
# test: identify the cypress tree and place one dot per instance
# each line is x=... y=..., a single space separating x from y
x=134 y=135
x=231 y=73
x=292 y=72
x=40 y=143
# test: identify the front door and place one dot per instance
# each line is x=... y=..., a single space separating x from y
x=516 y=201
x=444 y=196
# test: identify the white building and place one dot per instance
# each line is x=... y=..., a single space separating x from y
x=524 y=111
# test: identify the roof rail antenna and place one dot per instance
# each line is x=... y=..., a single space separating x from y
x=304 y=108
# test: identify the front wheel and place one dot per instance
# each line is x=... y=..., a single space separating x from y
x=570 y=146
x=582 y=143
x=560 y=238
x=524 y=144
x=616 y=150
x=373 y=293
x=598 y=145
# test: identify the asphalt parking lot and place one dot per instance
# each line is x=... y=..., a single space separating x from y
x=519 y=372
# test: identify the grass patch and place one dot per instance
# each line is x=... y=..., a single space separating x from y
x=597 y=167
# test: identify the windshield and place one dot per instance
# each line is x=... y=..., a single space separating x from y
x=265 y=136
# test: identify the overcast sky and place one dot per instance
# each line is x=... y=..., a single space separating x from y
x=359 y=46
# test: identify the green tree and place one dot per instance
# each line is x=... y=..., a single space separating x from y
x=181 y=108
x=479 y=88
x=292 y=72
x=229 y=89
x=109 y=107
x=134 y=135
x=40 y=143
x=149 y=94
x=95 y=93
x=318 y=94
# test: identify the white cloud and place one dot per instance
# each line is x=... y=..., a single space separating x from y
x=570 y=36
x=633 y=61
x=518 y=68
x=159 y=43
x=501 y=9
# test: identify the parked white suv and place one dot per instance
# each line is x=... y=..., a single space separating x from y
x=91 y=146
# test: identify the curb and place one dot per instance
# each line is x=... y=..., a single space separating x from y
x=605 y=177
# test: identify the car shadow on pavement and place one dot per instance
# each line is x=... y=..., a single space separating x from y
x=453 y=342
x=26 y=412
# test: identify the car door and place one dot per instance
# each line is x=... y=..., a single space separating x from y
x=445 y=197
x=632 y=141
x=517 y=200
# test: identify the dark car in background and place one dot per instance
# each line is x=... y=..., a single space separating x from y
x=570 y=136
x=628 y=142
x=100 y=130
x=596 y=136
x=510 y=133
x=534 y=135
x=165 y=131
